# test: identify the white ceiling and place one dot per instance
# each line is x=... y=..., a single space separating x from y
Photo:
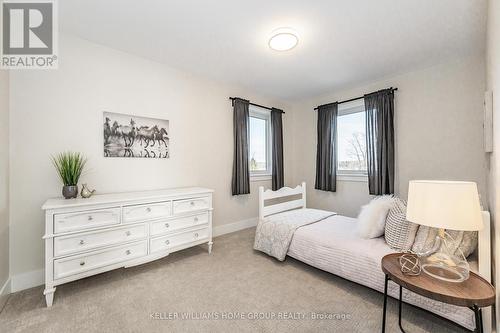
x=342 y=42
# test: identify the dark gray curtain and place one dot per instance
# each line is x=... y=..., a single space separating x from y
x=277 y=150
x=380 y=141
x=241 y=174
x=326 y=153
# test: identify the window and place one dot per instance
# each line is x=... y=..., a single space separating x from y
x=351 y=140
x=259 y=153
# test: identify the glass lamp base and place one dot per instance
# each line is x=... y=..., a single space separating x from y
x=446 y=267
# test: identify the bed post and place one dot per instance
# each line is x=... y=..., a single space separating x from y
x=304 y=194
x=261 y=203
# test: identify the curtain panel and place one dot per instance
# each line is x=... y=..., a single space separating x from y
x=277 y=149
x=326 y=152
x=241 y=174
x=380 y=141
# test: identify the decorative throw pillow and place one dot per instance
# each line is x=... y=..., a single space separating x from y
x=469 y=242
x=371 y=219
x=399 y=233
x=424 y=240
x=463 y=241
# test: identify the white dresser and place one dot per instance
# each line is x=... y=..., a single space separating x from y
x=85 y=237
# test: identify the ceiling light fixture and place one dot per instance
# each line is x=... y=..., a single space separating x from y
x=283 y=39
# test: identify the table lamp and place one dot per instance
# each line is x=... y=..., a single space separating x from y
x=444 y=205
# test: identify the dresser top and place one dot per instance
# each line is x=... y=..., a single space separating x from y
x=97 y=199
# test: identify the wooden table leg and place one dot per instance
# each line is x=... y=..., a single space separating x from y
x=385 y=303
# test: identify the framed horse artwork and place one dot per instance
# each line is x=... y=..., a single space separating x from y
x=133 y=136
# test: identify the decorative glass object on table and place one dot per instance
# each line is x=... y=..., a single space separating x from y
x=410 y=263
x=444 y=205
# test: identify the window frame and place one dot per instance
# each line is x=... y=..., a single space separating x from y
x=350 y=175
x=264 y=114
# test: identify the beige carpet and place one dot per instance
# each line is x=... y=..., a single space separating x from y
x=213 y=290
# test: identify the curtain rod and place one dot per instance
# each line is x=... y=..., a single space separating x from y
x=254 y=104
x=356 y=98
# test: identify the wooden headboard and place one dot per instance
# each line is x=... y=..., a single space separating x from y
x=282 y=206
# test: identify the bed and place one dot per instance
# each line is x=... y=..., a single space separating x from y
x=328 y=241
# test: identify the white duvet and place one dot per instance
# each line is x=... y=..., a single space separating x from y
x=274 y=233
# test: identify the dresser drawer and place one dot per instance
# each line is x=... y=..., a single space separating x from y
x=146 y=212
x=162 y=227
x=64 y=245
x=171 y=241
x=190 y=205
x=86 y=219
x=82 y=263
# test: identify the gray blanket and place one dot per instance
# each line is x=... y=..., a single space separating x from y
x=275 y=232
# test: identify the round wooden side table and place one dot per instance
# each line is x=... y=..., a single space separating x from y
x=474 y=293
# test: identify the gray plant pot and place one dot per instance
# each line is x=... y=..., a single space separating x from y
x=69 y=192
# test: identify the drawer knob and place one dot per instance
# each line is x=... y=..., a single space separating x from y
x=90 y=218
x=167 y=242
x=167 y=225
x=128 y=252
x=196 y=219
x=128 y=233
x=148 y=209
x=196 y=235
x=192 y=203
x=82 y=263
x=82 y=242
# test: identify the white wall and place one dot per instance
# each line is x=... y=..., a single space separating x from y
x=438 y=129
x=58 y=110
x=493 y=84
x=4 y=183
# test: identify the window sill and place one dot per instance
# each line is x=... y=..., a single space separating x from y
x=260 y=178
x=352 y=178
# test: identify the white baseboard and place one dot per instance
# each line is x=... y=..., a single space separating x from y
x=27 y=280
x=36 y=278
x=235 y=226
x=5 y=288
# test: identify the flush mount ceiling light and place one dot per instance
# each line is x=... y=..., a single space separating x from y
x=283 y=39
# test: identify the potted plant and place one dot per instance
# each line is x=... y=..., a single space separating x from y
x=69 y=166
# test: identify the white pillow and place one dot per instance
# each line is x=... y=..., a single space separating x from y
x=371 y=219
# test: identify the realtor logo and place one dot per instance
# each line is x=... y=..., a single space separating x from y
x=29 y=34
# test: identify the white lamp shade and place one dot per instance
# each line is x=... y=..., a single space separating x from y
x=444 y=204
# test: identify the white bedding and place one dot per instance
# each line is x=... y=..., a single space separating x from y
x=274 y=233
x=333 y=246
